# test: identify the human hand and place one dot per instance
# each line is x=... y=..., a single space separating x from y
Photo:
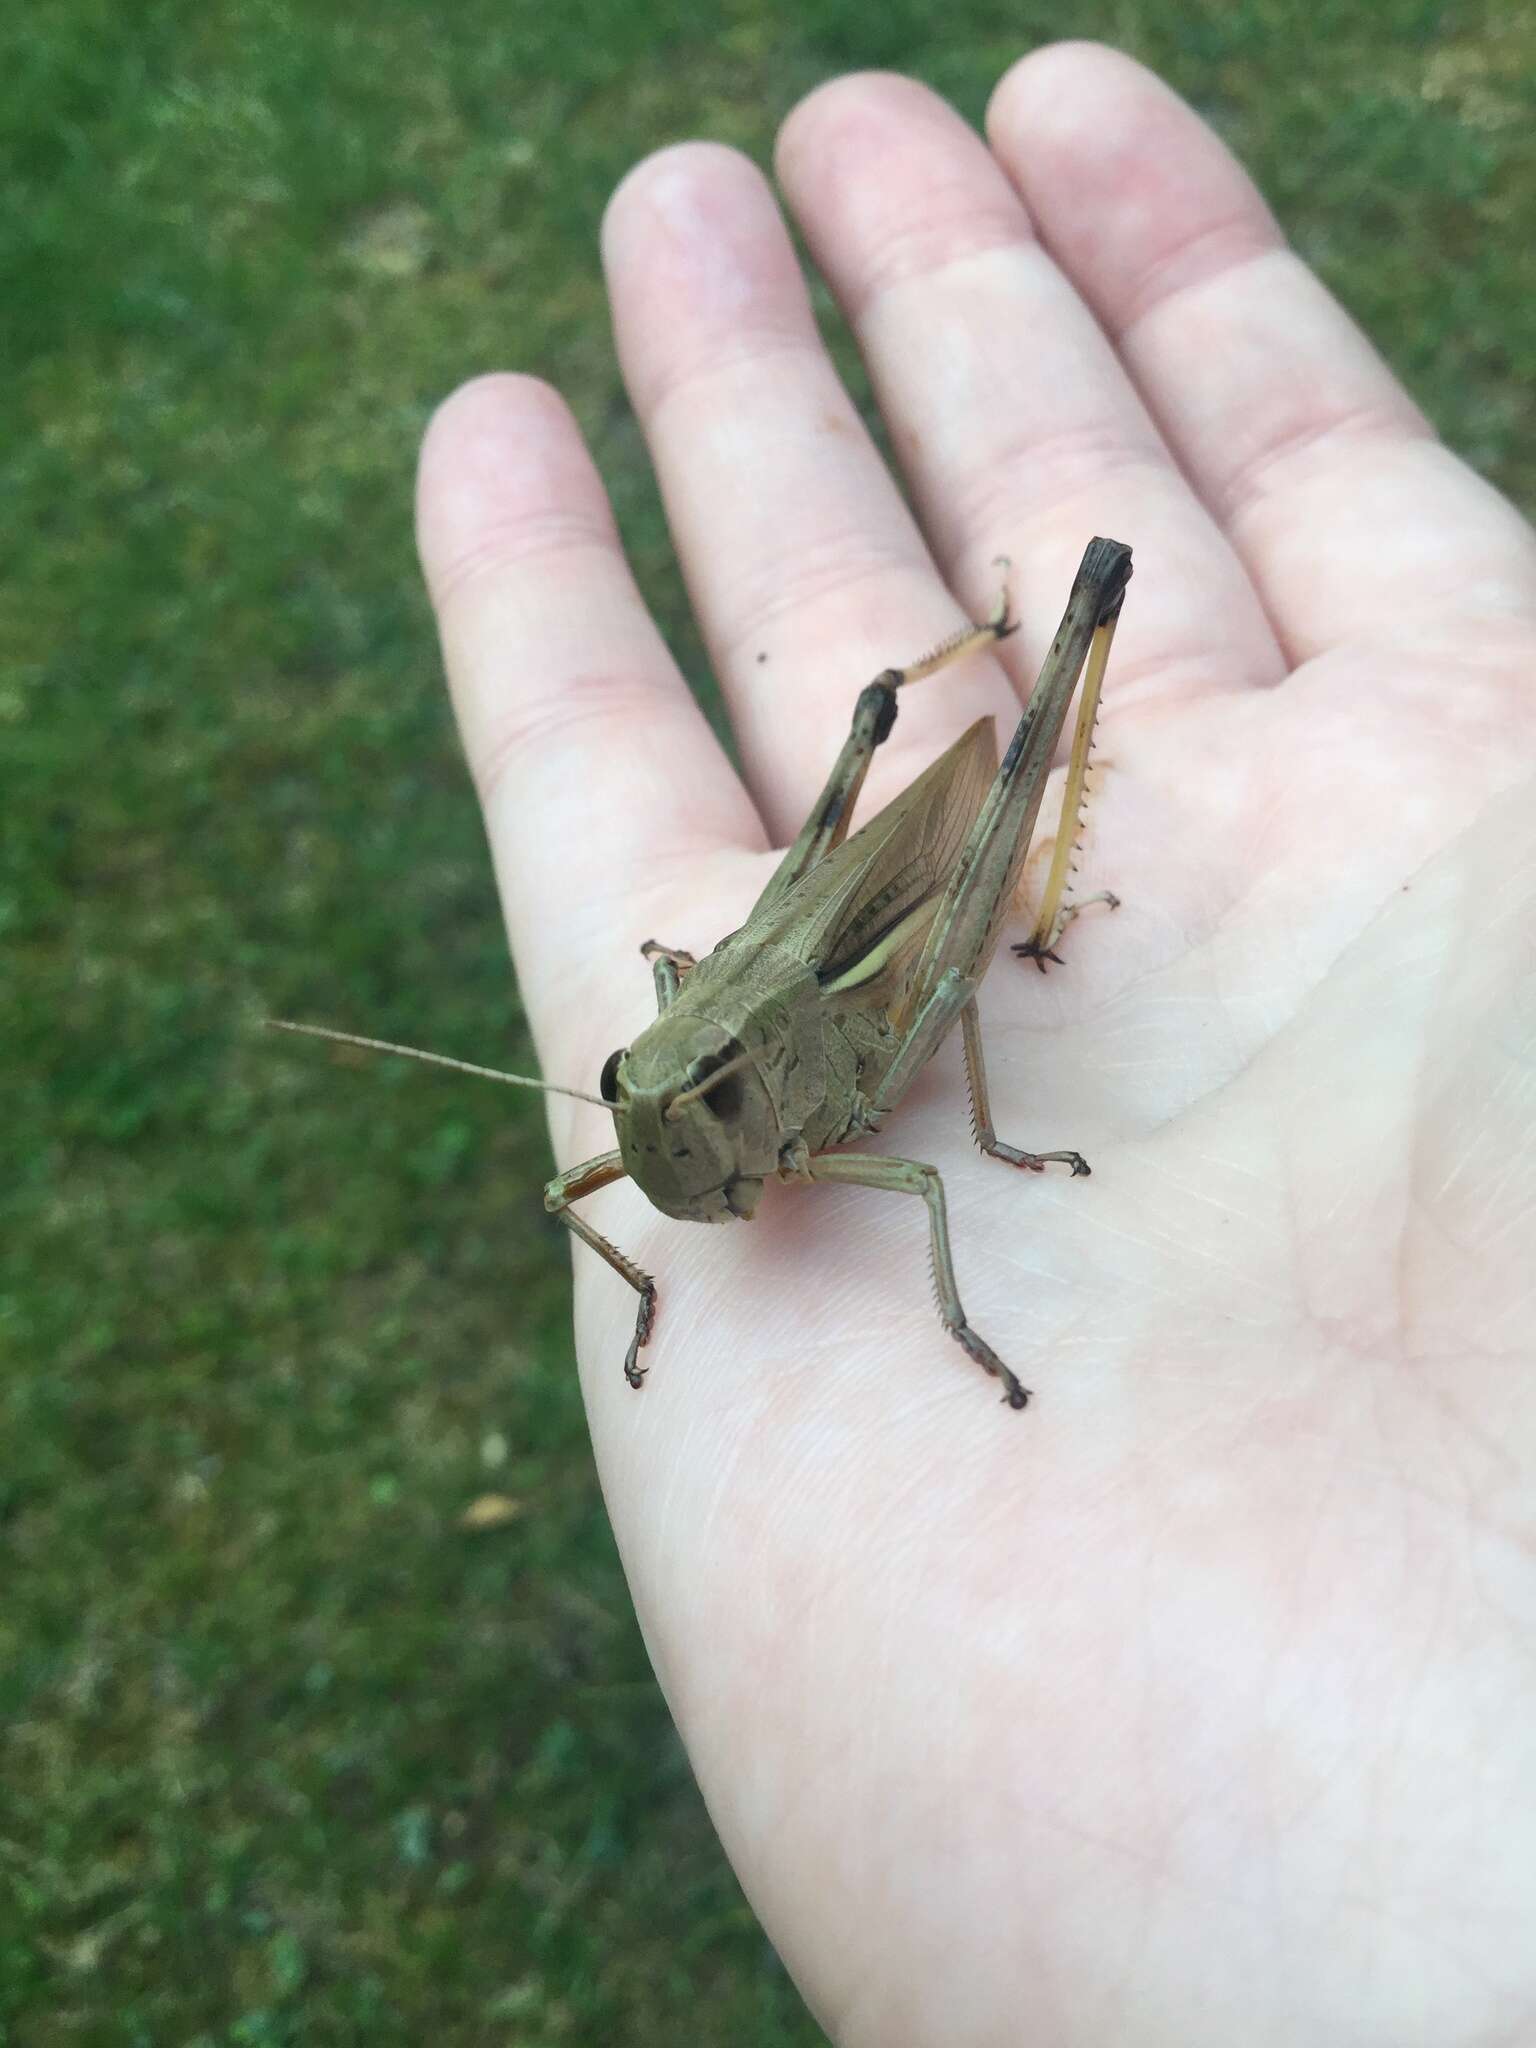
x=1194 y=1704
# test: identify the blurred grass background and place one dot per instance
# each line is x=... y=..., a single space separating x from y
x=290 y=1757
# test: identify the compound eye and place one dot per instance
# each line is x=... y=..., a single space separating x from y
x=608 y=1082
x=724 y=1100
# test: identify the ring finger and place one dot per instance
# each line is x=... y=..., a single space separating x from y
x=808 y=573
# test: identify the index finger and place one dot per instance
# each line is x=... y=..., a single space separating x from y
x=1342 y=503
x=597 y=773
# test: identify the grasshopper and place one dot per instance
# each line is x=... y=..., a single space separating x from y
x=801 y=1032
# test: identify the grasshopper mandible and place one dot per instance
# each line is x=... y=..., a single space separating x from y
x=802 y=1031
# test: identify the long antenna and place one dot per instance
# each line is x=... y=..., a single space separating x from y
x=431 y=1059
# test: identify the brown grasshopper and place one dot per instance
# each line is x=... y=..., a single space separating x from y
x=802 y=1031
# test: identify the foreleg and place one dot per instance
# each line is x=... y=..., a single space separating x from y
x=570 y=1187
x=668 y=966
x=909 y=1177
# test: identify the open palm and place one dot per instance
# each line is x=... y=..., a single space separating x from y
x=1194 y=1704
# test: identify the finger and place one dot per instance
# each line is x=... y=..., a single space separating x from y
x=807 y=571
x=597 y=773
x=1017 y=427
x=1345 y=508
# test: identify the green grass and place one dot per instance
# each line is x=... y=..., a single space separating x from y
x=289 y=1756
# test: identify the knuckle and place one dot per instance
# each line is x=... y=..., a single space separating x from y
x=516 y=540
x=527 y=730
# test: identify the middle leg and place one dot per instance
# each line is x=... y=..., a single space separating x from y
x=981 y=1108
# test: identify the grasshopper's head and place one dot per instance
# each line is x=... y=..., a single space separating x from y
x=697 y=1126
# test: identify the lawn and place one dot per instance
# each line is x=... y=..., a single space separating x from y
x=292 y=1756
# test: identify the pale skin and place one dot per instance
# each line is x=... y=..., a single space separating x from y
x=1197 y=1703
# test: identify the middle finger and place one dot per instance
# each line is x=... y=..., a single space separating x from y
x=1013 y=415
